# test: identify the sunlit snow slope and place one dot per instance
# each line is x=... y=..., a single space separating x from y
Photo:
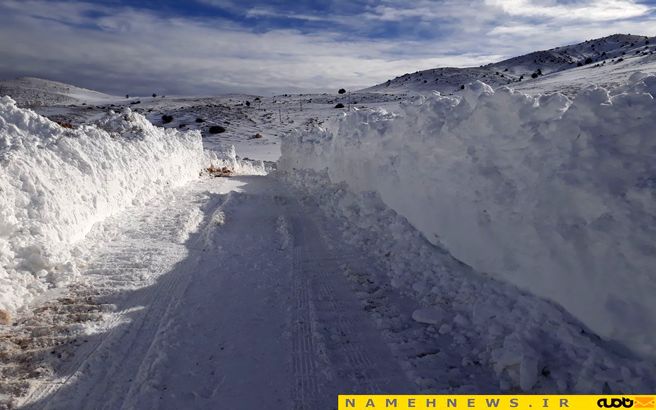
x=554 y=195
x=34 y=92
x=56 y=182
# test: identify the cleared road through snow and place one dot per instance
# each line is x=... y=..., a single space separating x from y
x=249 y=312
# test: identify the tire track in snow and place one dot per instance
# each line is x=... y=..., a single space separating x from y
x=149 y=248
x=304 y=350
x=336 y=345
x=150 y=358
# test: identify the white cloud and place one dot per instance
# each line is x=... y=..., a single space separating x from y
x=265 y=12
x=428 y=10
x=141 y=52
x=589 y=10
x=125 y=50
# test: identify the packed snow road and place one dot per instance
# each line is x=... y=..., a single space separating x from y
x=247 y=311
x=249 y=292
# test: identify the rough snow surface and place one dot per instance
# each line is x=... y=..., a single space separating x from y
x=551 y=194
x=56 y=183
x=498 y=337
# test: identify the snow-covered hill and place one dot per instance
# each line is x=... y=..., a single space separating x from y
x=618 y=50
x=36 y=92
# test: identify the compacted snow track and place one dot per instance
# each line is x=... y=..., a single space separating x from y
x=227 y=294
x=331 y=326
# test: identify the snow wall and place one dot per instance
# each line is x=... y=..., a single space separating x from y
x=55 y=183
x=555 y=196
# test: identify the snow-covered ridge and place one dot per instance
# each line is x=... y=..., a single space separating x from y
x=34 y=92
x=554 y=195
x=57 y=182
x=616 y=51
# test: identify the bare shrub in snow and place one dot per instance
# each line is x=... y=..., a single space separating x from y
x=219 y=171
x=5 y=317
x=65 y=124
x=216 y=129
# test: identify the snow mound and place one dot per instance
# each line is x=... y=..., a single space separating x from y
x=57 y=182
x=556 y=196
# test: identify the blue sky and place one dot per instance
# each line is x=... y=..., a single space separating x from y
x=218 y=46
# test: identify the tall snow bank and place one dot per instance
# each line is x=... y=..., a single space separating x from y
x=553 y=195
x=55 y=183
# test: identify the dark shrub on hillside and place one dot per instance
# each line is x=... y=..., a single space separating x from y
x=216 y=129
x=199 y=120
x=588 y=60
x=65 y=124
x=341 y=91
x=166 y=118
x=339 y=105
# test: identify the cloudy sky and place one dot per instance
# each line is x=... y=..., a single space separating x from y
x=218 y=46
